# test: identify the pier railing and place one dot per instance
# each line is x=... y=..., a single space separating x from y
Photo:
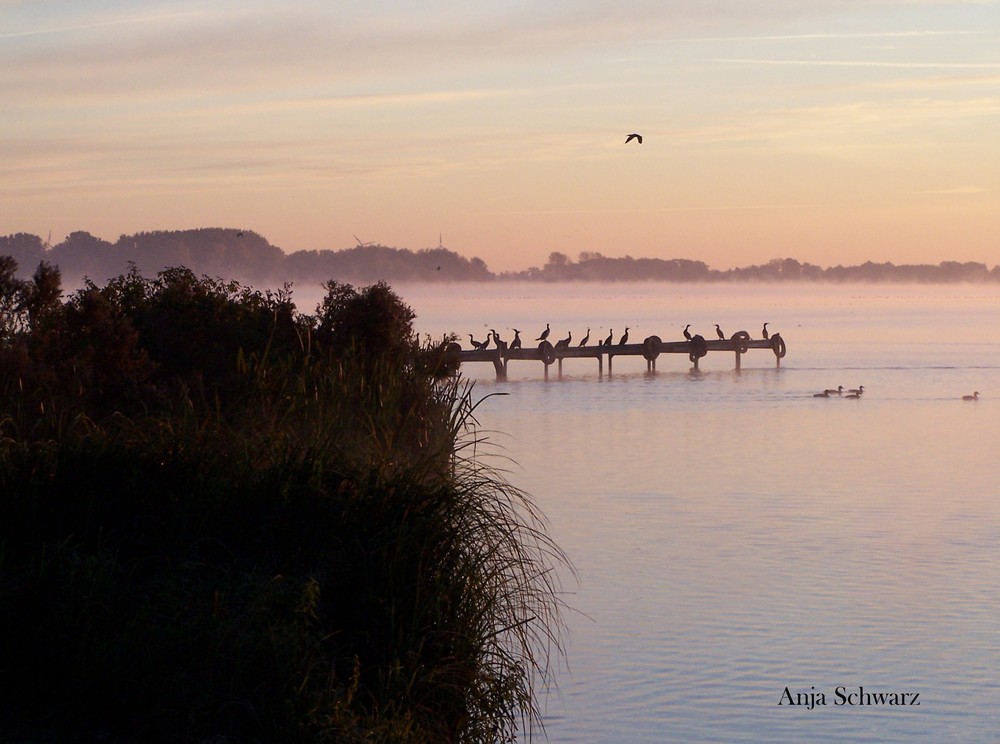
x=650 y=349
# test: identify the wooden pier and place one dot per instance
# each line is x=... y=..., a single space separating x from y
x=650 y=348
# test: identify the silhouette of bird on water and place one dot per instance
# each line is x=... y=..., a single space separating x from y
x=834 y=391
x=477 y=344
x=858 y=390
x=516 y=343
x=634 y=136
x=585 y=339
x=564 y=343
x=719 y=331
x=821 y=395
x=855 y=396
x=610 y=338
x=764 y=333
x=624 y=339
x=687 y=333
x=974 y=396
x=545 y=334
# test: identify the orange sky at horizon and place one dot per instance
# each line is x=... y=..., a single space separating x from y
x=832 y=132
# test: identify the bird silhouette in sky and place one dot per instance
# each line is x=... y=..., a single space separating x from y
x=634 y=136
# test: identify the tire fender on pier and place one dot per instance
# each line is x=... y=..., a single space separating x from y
x=699 y=347
x=778 y=345
x=741 y=339
x=651 y=348
x=547 y=353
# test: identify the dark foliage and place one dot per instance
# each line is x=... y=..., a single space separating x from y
x=224 y=520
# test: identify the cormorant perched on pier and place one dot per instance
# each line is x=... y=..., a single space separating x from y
x=585 y=339
x=719 y=331
x=478 y=344
x=501 y=344
x=687 y=333
x=545 y=334
x=974 y=396
x=764 y=333
x=516 y=343
x=564 y=343
x=838 y=391
x=624 y=339
x=610 y=338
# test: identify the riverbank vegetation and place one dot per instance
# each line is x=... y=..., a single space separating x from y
x=222 y=519
x=245 y=254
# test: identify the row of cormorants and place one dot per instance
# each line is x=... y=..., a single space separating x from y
x=564 y=343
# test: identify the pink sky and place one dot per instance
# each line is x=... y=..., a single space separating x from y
x=833 y=131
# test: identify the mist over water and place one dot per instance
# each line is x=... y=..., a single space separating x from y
x=735 y=536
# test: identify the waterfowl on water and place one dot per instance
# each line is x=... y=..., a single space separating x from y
x=837 y=391
x=852 y=395
x=516 y=343
x=719 y=332
x=764 y=333
x=974 y=396
x=585 y=339
x=821 y=395
x=687 y=333
x=545 y=334
x=858 y=390
x=624 y=339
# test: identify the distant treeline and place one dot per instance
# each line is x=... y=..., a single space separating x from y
x=250 y=257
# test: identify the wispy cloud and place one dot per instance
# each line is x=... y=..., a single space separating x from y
x=823 y=36
x=99 y=24
x=859 y=63
x=959 y=191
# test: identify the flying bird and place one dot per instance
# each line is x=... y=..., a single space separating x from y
x=634 y=136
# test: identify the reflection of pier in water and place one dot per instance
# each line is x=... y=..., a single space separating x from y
x=739 y=344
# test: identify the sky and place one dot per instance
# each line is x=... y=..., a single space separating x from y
x=830 y=131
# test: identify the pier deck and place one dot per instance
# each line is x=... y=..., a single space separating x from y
x=650 y=348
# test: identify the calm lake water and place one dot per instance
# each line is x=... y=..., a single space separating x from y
x=735 y=536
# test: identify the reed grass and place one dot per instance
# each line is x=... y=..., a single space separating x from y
x=317 y=553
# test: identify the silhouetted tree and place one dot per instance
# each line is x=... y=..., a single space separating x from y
x=370 y=323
